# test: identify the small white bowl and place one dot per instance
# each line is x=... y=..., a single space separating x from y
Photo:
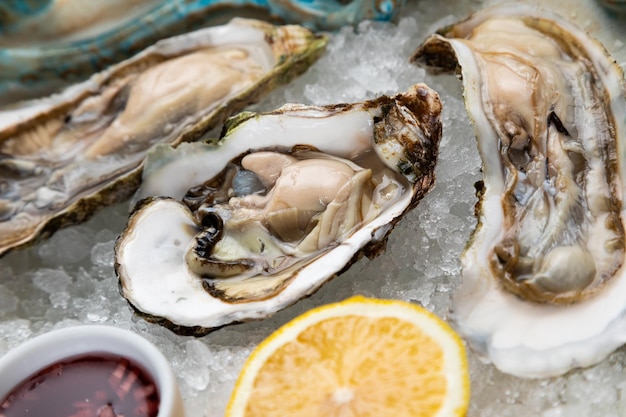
x=49 y=348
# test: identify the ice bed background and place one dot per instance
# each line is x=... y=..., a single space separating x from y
x=69 y=279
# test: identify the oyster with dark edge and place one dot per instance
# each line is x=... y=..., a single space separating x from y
x=63 y=157
x=543 y=275
x=286 y=200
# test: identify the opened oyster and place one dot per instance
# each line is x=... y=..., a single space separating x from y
x=285 y=201
x=543 y=276
x=65 y=156
x=49 y=44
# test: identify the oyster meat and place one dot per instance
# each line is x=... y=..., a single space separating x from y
x=543 y=275
x=63 y=157
x=49 y=44
x=236 y=230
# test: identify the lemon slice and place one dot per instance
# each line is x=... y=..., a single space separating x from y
x=360 y=357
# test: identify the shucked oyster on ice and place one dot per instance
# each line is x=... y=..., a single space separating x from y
x=285 y=201
x=63 y=157
x=544 y=280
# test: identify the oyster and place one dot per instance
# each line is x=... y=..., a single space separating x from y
x=543 y=275
x=49 y=44
x=65 y=156
x=285 y=201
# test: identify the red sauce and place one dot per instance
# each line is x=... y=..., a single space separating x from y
x=92 y=385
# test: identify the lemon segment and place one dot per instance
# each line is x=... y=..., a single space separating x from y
x=357 y=358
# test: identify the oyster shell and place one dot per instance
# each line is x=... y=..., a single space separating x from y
x=63 y=157
x=543 y=275
x=285 y=201
x=54 y=43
